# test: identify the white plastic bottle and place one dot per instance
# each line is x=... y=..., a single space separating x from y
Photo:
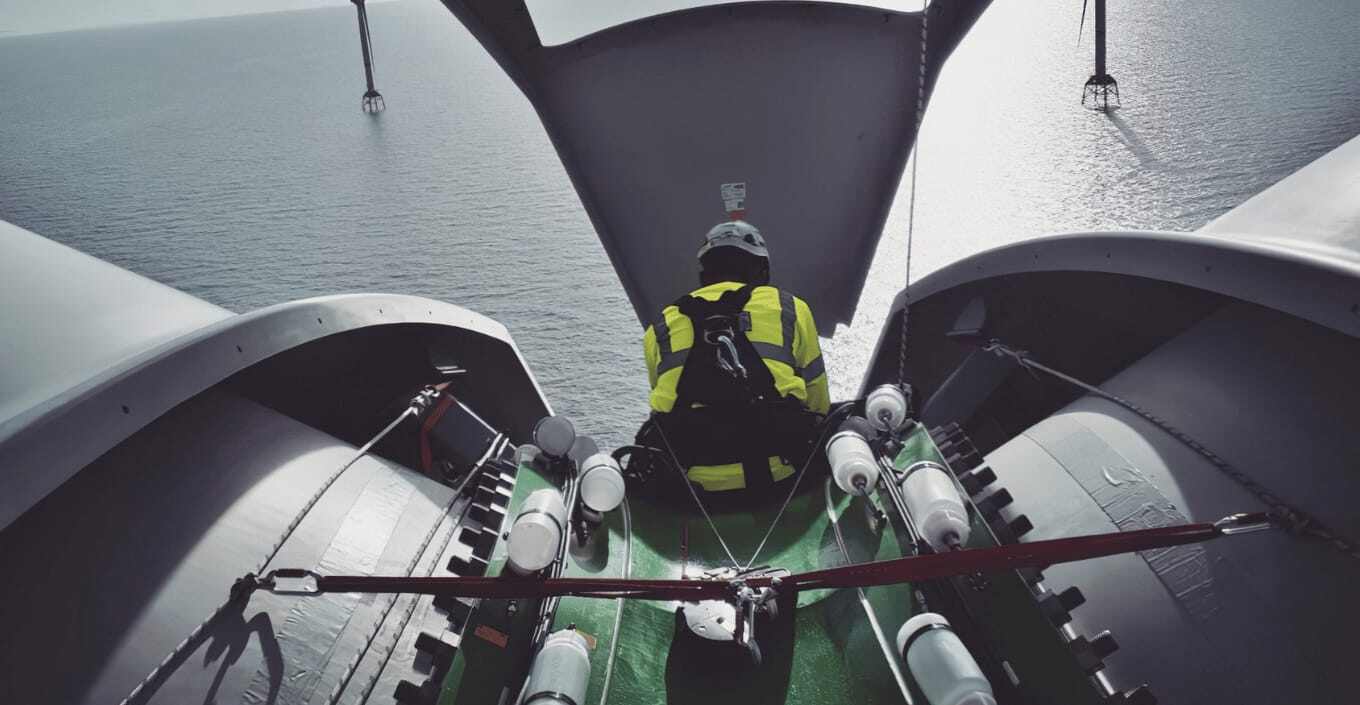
x=602 y=485
x=538 y=532
x=941 y=664
x=886 y=407
x=935 y=505
x=561 y=671
x=853 y=465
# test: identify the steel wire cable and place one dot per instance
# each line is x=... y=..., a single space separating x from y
x=353 y=665
x=1296 y=520
x=826 y=426
x=158 y=673
x=675 y=461
x=367 y=690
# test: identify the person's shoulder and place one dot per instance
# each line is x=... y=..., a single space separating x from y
x=779 y=290
x=803 y=308
x=797 y=300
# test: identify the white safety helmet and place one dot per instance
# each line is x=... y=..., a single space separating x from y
x=735 y=233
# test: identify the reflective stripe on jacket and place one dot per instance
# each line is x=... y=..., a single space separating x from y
x=782 y=331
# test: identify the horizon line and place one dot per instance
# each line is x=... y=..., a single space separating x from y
x=6 y=34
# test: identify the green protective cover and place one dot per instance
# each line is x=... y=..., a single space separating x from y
x=826 y=652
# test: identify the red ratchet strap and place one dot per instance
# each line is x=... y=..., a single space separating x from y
x=902 y=570
x=1035 y=554
x=426 y=456
x=503 y=587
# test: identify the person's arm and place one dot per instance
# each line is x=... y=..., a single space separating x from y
x=653 y=355
x=807 y=352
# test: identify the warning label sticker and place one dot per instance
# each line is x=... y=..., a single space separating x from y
x=492 y=635
x=734 y=197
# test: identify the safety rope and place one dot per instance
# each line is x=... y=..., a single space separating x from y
x=157 y=674
x=889 y=653
x=1297 y=521
x=911 y=203
x=827 y=425
x=675 y=461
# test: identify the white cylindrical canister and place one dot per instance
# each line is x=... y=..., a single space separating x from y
x=583 y=447
x=886 y=407
x=941 y=664
x=602 y=485
x=538 y=531
x=527 y=454
x=853 y=464
x=561 y=671
x=554 y=434
x=935 y=505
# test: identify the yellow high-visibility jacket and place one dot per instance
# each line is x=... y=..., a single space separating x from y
x=782 y=331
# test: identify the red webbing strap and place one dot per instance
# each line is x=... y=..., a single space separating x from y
x=509 y=587
x=426 y=456
x=902 y=570
x=1035 y=554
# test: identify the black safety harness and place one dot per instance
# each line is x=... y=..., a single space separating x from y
x=728 y=409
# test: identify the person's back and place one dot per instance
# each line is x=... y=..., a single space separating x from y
x=738 y=384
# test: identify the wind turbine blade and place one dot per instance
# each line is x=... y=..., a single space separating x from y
x=1082 y=26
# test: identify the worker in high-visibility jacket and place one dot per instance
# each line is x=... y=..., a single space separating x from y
x=738 y=384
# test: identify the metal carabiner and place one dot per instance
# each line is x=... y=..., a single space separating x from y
x=735 y=367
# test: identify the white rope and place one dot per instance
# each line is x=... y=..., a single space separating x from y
x=889 y=653
x=618 y=613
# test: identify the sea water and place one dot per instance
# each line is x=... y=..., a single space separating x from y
x=229 y=158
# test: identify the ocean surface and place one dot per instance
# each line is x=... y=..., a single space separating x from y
x=228 y=158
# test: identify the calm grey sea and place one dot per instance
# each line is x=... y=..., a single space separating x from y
x=229 y=158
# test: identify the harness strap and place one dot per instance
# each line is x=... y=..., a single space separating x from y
x=788 y=321
x=708 y=425
x=731 y=303
x=695 y=385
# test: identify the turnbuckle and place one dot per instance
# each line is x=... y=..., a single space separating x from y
x=424 y=400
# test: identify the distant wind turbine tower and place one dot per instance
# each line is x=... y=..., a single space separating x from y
x=373 y=100
x=1101 y=91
